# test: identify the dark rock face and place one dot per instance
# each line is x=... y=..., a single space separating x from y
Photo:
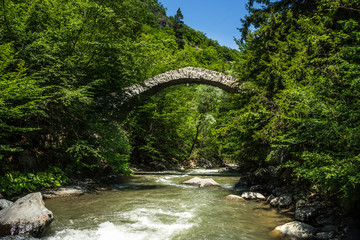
x=325 y=235
x=243 y=182
x=306 y=212
x=258 y=188
x=27 y=159
x=27 y=216
x=263 y=175
x=5 y=203
x=204 y=163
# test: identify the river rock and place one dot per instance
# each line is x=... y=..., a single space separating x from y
x=243 y=182
x=5 y=203
x=18 y=237
x=325 y=235
x=326 y=222
x=27 y=216
x=234 y=198
x=230 y=169
x=277 y=192
x=295 y=229
x=282 y=201
x=202 y=182
x=65 y=191
x=306 y=212
x=271 y=197
x=258 y=188
x=253 y=196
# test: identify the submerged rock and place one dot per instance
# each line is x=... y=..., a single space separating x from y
x=298 y=230
x=27 y=216
x=5 y=203
x=253 y=196
x=202 y=182
x=65 y=191
x=234 y=198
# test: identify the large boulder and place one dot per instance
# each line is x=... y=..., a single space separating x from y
x=297 y=230
x=201 y=182
x=253 y=196
x=27 y=216
x=5 y=203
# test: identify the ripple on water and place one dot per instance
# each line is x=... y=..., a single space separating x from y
x=160 y=207
x=142 y=223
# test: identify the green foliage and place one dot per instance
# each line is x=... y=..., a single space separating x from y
x=301 y=61
x=241 y=117
x=332 y=174
x=16 y=182
x=179 y=28
x=174 y=126
x=63 y=65
x=20 y=99
x=83 y=52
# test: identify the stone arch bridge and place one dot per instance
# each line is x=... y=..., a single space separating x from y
x=183 y=76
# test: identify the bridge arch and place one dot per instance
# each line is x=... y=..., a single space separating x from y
x=183 y=76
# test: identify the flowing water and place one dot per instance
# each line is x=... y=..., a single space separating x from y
x=157 y=206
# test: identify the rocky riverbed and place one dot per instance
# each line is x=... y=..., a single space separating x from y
x=315 y=217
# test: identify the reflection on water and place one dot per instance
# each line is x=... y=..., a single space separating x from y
x=160 y=207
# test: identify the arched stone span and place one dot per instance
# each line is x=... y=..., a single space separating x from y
x=183 y=76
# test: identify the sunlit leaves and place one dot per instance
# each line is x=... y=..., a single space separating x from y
x=304 y=57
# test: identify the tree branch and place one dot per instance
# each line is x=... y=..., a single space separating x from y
x=351 y=9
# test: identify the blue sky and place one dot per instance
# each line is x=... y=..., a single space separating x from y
x=218 y=19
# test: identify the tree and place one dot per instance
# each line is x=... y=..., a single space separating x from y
x=301 y=63
x=21 y=98
x=179 y=28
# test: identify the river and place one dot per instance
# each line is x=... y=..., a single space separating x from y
x=157 y=206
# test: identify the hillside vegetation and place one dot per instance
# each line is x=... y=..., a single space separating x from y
x=64 y=64
x=63 y=67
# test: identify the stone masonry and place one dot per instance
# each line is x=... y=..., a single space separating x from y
x=184 y=76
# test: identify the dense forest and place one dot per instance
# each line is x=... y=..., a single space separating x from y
x=64 y=64
x=63 y=67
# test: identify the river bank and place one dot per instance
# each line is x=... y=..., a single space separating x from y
x=325 y=215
